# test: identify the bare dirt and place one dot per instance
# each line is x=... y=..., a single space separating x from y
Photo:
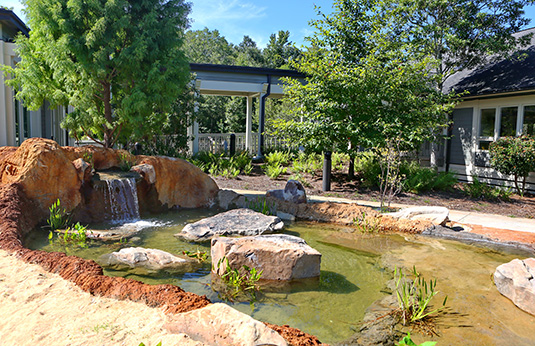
x=343 y=187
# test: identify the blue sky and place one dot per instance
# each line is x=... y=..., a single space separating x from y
x=258 y=19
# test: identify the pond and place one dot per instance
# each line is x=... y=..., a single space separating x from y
x=353 y=276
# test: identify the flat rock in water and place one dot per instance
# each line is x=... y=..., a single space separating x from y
x=516 y=281
x=220 y=324
x=237 y=222
x=436 y=215
x=148 y=260
x=280 y=256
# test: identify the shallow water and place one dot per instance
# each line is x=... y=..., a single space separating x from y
x=352 y=278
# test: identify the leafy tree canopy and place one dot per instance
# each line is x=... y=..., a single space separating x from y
x=118 y=63
x=363 y=87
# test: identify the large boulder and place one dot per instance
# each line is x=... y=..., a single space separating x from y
x=516 y=281
x=435 y=215
x=280 y=256
x=293 y=192
x=179 y=183
x=220 y=325
x=237 y=222
x=45 y=172
x=147 y=260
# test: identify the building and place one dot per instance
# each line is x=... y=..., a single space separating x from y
x=500 y=102
x=16 y=122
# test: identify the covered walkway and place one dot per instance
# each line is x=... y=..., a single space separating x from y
x=249 y=82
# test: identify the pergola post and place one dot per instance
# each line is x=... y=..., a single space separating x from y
x=249 y=125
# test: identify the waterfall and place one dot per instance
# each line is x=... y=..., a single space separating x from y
x=122 y=199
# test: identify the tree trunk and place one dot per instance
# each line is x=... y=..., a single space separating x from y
x=351 y=170
x=108 y=132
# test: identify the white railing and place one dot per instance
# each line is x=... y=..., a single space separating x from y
x=220 y=142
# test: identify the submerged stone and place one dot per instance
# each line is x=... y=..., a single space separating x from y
x=149 y=260
x=237 y=222
x=280 y=256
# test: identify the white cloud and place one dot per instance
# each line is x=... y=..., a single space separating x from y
x=210 y=12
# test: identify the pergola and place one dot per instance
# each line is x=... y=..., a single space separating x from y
x=250 y=82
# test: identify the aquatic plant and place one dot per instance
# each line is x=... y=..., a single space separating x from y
x=366 y=224
x=414 y=297
x=201 y=256
x=261 y=205
x=59 y=217
x=75 y=235
x=239 y=283
x=407 y=341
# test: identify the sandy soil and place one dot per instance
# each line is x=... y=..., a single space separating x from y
x=45 y=309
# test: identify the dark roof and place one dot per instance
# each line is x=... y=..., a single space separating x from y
x=503 y=76
x=245 y=69
x=11 y=19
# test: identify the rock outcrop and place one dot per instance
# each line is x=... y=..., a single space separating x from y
x=219 y=324
x=280 y=256
x=435 y=215
x=516 y=281
x=293 y=192
x=181 y=184
x=44 y=172
x=237 y=222
x=148 y=260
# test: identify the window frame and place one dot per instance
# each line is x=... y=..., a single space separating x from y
x=520 y=108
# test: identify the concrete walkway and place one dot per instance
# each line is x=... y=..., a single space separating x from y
x=457 y=216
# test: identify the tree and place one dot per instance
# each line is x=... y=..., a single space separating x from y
x=280 y=50
x=208 y=47
x=118 y=63
x=248 y=54
x=458 y=34
x=363 y=88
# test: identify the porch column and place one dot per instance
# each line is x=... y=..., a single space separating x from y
x=249 y=125
x=193 y=134
x=3 y=104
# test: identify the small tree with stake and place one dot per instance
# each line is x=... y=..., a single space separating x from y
x=514 y=156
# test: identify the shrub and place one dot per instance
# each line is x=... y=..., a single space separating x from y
x=514 y=156
x=278 y=158
x=480 y=190
x=368 y=167
x=126 y=161
x=419 y=179
x=275 y=171
x=307 y=163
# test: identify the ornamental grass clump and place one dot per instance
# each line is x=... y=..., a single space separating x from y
x=414 y=298
x=514 y=156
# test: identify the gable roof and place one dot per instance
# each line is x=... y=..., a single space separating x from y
x=516 y=74
x=11 y=20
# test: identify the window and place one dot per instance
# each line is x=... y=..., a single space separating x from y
x=528 y=127
x=508 y=121
x=486 y=128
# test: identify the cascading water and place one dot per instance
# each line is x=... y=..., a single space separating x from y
x=122 y=198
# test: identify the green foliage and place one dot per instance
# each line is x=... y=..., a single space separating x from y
x=73 y=235
x=407 y=341
x=278 y=158
x=239 y=281
x=59 y=218
x=480 y=190
x=219 y=164
x=119 y=64
x=261 y=205
x=158 y=344
x=126 y=162
x=274 y=172
x=367 y=224
x=514 y=156
x=362 y=88
x=415 y=296
x=201 y=256
x=419 y=179
x=338 y=160
x=307 y=163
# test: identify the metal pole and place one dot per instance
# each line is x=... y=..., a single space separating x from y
x=327 y=171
